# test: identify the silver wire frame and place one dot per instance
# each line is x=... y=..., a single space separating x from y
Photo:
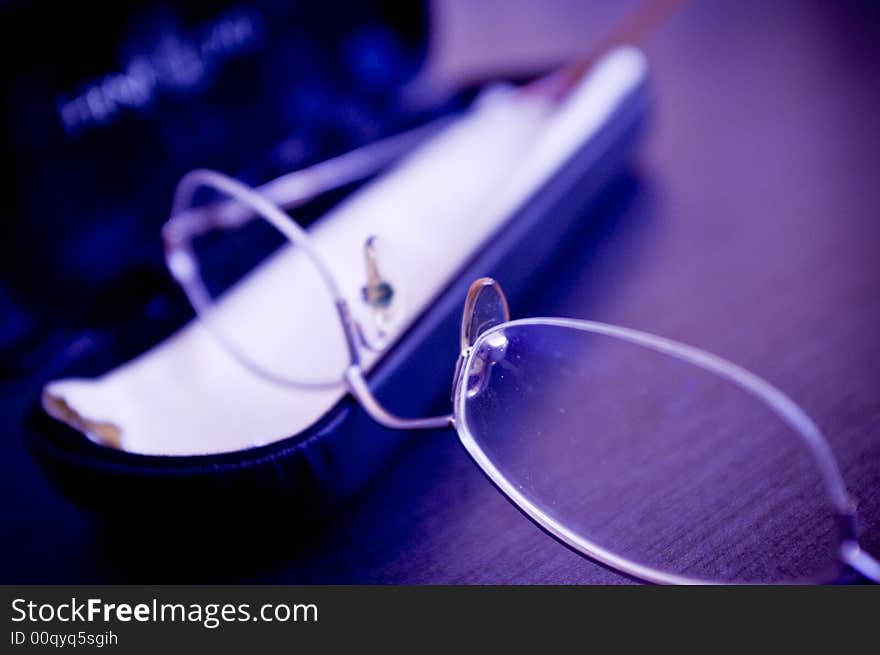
x=186 y=223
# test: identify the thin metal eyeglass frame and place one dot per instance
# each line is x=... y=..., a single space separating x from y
x=182 y=263
x=184 y=224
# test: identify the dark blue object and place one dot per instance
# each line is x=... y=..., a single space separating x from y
x=106 y=105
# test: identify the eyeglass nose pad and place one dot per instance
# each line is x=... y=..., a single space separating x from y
x=383 y=292
x=484 y=308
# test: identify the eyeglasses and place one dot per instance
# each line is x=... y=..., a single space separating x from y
x=655 y=458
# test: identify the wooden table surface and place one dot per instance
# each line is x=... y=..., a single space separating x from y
x=752 y=229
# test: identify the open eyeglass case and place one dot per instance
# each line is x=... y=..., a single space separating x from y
x=179 y=427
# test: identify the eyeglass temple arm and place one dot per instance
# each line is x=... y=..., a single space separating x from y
x=299 y=187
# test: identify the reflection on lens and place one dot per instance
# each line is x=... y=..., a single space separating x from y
x=264 y=298
x=621 y=449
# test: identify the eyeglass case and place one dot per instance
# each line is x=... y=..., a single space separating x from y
x=323 y=464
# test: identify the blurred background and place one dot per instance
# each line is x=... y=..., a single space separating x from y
x=747 y=224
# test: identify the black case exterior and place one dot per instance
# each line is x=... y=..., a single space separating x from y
x=106 y=105
x=308 y=474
